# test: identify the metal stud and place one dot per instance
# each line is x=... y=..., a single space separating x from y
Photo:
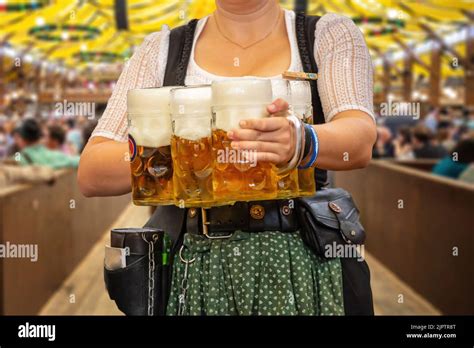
x=334 y=207
x=257 y=212
x=286 y=210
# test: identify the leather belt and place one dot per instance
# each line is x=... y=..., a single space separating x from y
x=258 y=216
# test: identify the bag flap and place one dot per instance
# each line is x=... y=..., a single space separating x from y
x=335 y=209
x=331 y=205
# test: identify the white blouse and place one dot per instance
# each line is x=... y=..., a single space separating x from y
x=344 y=82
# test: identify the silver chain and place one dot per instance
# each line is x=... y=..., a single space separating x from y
x=151 y=273
x=184 y=283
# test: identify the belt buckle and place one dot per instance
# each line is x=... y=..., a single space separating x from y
x=205 y=227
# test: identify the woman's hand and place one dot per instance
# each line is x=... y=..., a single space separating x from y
x=273 y=137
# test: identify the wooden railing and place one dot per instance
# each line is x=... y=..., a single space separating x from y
x=421 y=164
x=421 y=227
x=62 y=223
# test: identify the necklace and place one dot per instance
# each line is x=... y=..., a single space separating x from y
x=244 y=47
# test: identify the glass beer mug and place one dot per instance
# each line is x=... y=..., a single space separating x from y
x=237 y=175
x=149 y=142
x=287 y=183
x=301 y=105
x=191 y=146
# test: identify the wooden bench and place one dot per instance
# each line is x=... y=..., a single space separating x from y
x=415 y=222
x=62 y=223
x=421 y=164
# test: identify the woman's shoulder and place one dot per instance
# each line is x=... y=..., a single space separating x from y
x=327 y=20
x=156 y=41
x=332 y=27
x=332 y=22
x=155 y=38
x=337 y=31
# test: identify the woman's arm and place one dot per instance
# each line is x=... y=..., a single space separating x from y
x=104 y=169
x=345 y=87
x=344 y=143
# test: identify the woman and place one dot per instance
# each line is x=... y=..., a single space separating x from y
x=252 y=273
x=402 y=144
x=458 y=161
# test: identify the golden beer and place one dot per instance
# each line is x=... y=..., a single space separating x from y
x=302 y=107
x=237 y=175
x=152 y=174
x=307 y=184
x=150 y=146
x=192 y=161
x=192 y=146
x=288 y=184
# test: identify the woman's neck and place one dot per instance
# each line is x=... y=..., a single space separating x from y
x=245 y=21
x=245 y=11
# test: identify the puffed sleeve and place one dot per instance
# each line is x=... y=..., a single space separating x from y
x=141 y=71
x=345 y=80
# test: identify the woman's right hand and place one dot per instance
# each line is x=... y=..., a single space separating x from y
x=272 y=137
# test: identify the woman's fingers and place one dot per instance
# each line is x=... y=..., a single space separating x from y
x=257 y=157
x=279 y=105
x=267 y=124
x=269 y=157
x=271 y=137
x=282 y=151
x=277 y=136
x=260 y=146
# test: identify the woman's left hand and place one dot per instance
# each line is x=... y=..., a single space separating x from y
x=272 y=137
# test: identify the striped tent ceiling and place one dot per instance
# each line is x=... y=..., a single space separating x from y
x=81 y=33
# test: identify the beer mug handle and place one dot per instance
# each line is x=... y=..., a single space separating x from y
x=299 y=149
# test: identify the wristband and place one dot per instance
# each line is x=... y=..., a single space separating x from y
x=307 y=136
x=315 y=148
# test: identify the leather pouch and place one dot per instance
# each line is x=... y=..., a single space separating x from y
x=328 y=219
x=137 y=287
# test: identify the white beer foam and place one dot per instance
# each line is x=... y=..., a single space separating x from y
x=281 y=89
x=229 y=117
x=300 y=110
x=191 y=100
x=148 y=100
x=239 y=99
x=191 y=131
x=149 y=111
x=241 y=91
x=300 y=93
x=152 y=131
x=191 y=112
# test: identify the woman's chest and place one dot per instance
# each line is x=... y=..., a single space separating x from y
x=269 y=58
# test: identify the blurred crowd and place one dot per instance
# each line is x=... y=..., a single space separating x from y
x=31 y=148
x=445 y=135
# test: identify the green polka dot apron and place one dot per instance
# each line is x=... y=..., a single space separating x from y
x=265 y=273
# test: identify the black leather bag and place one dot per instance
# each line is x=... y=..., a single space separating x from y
x=136 y=289
x=328 y=219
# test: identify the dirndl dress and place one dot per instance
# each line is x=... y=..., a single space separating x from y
x=263 y=273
